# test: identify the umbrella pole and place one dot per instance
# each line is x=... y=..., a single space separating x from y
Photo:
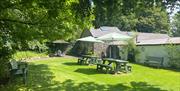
x=110 y=51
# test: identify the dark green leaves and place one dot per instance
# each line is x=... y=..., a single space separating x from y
x=132 y=15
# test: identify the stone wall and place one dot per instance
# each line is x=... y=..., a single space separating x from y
x=99 y=48
x=79 y=47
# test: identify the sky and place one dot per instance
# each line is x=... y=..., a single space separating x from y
x=176 y=9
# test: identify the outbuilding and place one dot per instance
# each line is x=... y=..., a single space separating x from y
x=167 y=48
x=148 y=44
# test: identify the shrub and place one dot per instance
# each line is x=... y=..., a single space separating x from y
x=133 y=51
x=174 y=55
x=37 y=46
x=5 y=55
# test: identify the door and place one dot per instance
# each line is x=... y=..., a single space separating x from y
x=131 y=56
x=113 y=52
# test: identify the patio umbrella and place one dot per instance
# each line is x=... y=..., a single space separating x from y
x=90 y=39
x=60 y=42
x=117 y=43
x=114 y=37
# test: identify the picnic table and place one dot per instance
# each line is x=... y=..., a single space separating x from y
x=88 y=59
x=120 y=65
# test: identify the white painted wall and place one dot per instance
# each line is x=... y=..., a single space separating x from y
x=154 y=50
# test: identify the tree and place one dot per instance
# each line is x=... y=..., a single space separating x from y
x=176 y=25
x=134 y=15
x=173 y=55
x=25 y=20
x=153 y=20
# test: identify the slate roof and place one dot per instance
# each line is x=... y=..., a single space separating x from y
x=171 y=40
x=60 y=41
x=153 y=42
x=150 y=36
x=104 y=30
x=141 y=38
x=174 y=40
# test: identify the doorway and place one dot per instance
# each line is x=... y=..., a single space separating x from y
x=113 y=51
x=131 y=56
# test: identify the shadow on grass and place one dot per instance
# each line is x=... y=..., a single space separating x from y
x=40 y=78
x=70 y=85
x=88 y=71
x=135 y=86
x=170 y=69
x=73 y=64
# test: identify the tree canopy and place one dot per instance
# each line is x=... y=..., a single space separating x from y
x=176 y=24
x=25 y=20
x=134 y=15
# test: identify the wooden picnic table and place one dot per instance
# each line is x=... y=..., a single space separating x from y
x=119 y=64
x=90 y=59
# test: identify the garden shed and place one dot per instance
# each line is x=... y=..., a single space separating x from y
x=59 y=45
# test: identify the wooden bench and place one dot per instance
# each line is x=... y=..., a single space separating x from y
x=107 y=67
x=18 y=69
x=154 y=61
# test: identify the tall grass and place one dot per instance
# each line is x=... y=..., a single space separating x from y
x=27 y=54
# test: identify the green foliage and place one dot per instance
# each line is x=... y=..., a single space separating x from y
x=45 y=19
x=37 y=46
x=133 y=15
x=174 y=55
x=176 y=24
x=132 y=48
x=5 y=53
x=4 y=68
x=22 y=21
x=153 y=20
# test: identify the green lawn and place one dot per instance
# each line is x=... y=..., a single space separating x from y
x=63 y=74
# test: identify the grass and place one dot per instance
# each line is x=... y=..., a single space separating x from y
x=27 y=54
x=63 y=74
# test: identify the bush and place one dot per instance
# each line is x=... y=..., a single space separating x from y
x=174 y=55
x=5 y=55
x=37 y=46
x=133 y=51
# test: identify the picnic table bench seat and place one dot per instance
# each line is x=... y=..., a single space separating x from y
x=18 y=69
x=87 y=59
x=127 y=68
x=154 y=61
x=107 y=67
x=81 y=61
